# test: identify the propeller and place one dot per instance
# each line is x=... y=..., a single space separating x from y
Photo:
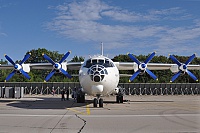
x=17 y=67
x=57 y=66
x=183 y=67
x=142 y=67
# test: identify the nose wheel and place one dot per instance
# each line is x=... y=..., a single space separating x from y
x=97 y=101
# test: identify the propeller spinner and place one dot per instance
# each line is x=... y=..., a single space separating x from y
x=183 y=67
x=17 y=67
x=142 y=67
x=57 y=66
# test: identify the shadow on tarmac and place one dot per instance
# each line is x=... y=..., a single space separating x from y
x=45 y=103
x=55 y=102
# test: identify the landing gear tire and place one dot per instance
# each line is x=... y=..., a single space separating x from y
x=80 y=98
x=119 y=99
x=101 y=103
x=95 y=102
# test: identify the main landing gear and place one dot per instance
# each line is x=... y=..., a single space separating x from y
x=97 y=101
x=119 y=99
x=80 y=97
x=120 y=96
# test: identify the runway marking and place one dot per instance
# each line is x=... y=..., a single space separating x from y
x=79 y=112
x=88 y=109
x=76 y=111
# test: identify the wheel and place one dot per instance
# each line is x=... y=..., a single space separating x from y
x=82 y=99
x=117 y=99
x=78 y=98
x=101 y=102
x=121 y=99
x=95 y=102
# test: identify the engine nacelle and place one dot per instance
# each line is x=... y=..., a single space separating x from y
x=135 y=67
x=174 y=68
x=26 y=67
x=64 y=66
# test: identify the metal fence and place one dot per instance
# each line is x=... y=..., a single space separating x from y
x=130 y=88
x=161 y=88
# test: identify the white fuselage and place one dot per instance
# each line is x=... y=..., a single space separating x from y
x=99 y=76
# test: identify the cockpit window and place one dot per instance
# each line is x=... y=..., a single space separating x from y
x=88 y=63
x=101 y=62
x=94 y=61
x=108 y=64
x=105 y=63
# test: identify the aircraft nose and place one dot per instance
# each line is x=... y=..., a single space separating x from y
x=97 y=73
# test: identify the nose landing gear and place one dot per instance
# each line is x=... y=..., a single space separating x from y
x=97 y=101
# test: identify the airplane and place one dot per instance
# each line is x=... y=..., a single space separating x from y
x=99 y=75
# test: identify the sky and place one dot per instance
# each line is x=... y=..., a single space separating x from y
x=135 y=26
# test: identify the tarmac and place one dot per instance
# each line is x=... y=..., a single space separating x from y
x=140 y=114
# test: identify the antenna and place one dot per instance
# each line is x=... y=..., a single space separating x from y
x=102 y=48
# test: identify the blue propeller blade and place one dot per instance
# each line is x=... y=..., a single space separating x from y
x=192 y=75
x=150 y=57
x=142 y=66
x=134 y=75
x=134 y=59
x=49 y=59
x=56 y=67
x=50 y=75
x=184 y=67
x=190 y=59
x=10 y=75
x=65 y=73
x=26 y=57
x=151 y=74
x=175 y=60
x=10 y=60
x=64 y=57
x=25 y=74
x=175 y=76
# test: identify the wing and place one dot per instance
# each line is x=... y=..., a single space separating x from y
x=74 y=65
x=65 y=65
x=2 y=66
x=152 y=66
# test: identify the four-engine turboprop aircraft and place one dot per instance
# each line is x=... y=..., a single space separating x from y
x=99 y=75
